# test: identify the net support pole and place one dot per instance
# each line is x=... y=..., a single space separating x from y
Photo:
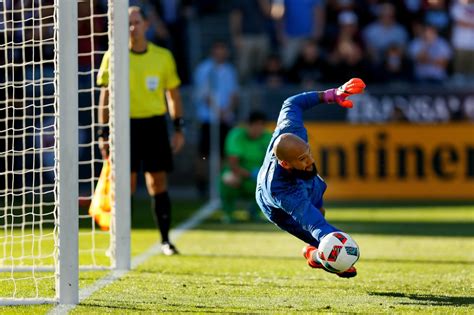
x=121 y=133
x=67 y=85
x=214 y=154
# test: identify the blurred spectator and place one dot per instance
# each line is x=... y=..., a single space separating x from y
x=245 y=148
x=249 y=23
x=273 y=74
x=384 y=32
x=370 y=12
x=169 y=20
x=300 y=20
x=333 y=9
x=346 y=57
x=215 y=91
x=411 y=15
x=430 y=54
x=436 y=13
x=309 y=67
x=26 y=34
x=462 y=38
x=395 y=67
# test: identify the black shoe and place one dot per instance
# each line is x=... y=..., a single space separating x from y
x=168 y=249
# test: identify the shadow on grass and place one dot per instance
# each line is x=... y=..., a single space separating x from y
x=454 y=229
x=459 y=229
x=272 y=256
x=429 y=299
x=166 y=307
x=111 y=304
x=418 y=261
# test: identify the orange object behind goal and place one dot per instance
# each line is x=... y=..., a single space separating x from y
x=101 y=205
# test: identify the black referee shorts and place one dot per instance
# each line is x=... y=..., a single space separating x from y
x=150 y=145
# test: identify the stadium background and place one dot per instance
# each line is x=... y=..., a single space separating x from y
x=398 y=100
x=405 y=97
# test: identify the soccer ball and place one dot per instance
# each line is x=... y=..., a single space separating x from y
x=337 y=252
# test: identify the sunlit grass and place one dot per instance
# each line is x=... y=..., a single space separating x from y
x=413 y=260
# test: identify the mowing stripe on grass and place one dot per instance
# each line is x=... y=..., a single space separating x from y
x=204 y=212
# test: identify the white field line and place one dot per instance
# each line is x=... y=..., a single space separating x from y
x=204 y=212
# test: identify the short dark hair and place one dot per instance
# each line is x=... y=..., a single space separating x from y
x=256 y=116
x=140 y=10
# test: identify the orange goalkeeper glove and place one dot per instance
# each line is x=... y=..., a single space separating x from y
x=339 y=95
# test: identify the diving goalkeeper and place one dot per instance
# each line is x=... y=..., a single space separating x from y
x=289 y=188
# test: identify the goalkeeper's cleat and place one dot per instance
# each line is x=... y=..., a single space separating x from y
x=168 y=249
x=308 y=251
x=349 y=273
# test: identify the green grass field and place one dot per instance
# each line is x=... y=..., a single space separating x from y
x=417 y=259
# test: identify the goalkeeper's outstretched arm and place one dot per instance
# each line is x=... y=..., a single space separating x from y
x=290 y=119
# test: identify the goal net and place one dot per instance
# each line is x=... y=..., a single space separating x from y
x=97 y=21
x=50 y=52
x=94 y=243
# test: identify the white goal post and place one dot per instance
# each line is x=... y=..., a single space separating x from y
x=120 y=127
x=49 y=160
x=67 y=269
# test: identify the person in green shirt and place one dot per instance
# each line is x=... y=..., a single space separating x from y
x=244 y=149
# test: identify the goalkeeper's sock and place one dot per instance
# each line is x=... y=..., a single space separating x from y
x=162 y=206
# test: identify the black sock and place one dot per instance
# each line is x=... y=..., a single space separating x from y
x=162 y=206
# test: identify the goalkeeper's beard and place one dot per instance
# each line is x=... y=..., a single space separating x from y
x=305 y=175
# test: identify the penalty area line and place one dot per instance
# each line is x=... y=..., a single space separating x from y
x=204 y=212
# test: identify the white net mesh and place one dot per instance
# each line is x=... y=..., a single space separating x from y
x=94 y=243
x=28 y=126
x=28 y=146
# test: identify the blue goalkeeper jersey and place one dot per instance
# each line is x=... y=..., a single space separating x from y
x=290 y=202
